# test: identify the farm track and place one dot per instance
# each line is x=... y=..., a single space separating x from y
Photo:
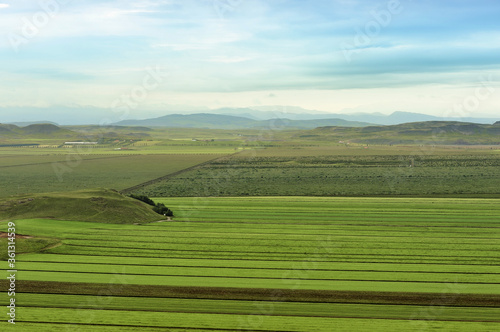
x=73 y=172
x=171 y=175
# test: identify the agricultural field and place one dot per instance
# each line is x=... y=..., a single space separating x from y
x=117 y=163
x=268 y=264
x=171 y=162
x=286 y=249
x=36 y=174
x=338 y=170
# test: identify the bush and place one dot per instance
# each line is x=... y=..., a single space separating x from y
x=143 y=198
x=159 y=208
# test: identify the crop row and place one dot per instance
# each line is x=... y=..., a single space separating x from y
x=290 y=273
x=310 y=265
x=228 y=322
x=333 y=250
x=271 y=264
x=292 y=309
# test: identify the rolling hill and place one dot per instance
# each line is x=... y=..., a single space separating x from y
x=39 y=130
x=429 y=132
x=220 y=121
x=97 y=205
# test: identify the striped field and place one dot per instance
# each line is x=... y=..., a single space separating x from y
x=269 y=264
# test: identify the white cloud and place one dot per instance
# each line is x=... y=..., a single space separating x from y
x=228 y=59
x=180 y=47
x=4 y=5
x=116 y=13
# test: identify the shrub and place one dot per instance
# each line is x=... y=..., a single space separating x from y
x=159 y=208
x=143 y=198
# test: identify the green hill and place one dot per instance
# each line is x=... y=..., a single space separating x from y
x=429 y=132
x=98 y=205
x=40 y=130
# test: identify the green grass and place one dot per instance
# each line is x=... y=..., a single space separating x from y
x=26 y=245
x=304 y=309
x=238 y=322
x=271 y=264
x=366 y=174
x=36 y=174
x=99 y=205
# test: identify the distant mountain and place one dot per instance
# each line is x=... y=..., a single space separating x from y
x=38 y=130
x=201 y=120
x=274 y=112
x=430 y=132
x=86 y=115
x=298 y=113
x=219 y=121
x=406 y=117
x=309 y=124
x=24 y=124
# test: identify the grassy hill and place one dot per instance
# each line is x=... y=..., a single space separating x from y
x=429 y=132
x=47 y=133
x=40 y=130
x=97 y=205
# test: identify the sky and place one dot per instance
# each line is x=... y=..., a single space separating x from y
x=139 y=58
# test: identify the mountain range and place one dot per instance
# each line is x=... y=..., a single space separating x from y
x=297 y=113
x=255 y=119
x=80 y=115
x=219 y=121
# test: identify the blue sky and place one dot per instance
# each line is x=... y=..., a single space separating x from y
x=434 y=57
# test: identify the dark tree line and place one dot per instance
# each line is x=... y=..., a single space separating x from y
x=159 y=208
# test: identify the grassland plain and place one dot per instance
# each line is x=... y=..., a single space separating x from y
x=118 y=164
x=429 y=132
x=38 y=174
x=343 y=171
x=269 y=264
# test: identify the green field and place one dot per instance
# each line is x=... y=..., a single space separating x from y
x=311 y=233
x=162 y=162
x=269 y=264
x=342 y=171
x=28 y=174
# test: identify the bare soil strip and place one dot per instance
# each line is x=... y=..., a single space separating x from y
x=261 y=294
x=18 y=236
